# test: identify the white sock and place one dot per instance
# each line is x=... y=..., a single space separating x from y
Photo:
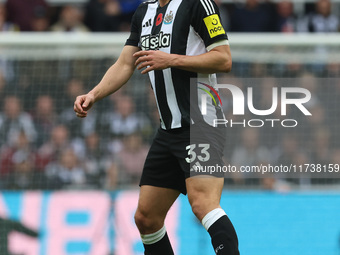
x=154 y=237
x=212 y=217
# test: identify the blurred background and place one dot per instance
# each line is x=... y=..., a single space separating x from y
x=70 y=186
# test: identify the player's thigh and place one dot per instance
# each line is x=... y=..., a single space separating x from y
x=204 y=194
x=153 y=204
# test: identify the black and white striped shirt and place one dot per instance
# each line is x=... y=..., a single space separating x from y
x=185 y=27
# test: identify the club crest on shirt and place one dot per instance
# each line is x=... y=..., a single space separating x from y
x=168 y=18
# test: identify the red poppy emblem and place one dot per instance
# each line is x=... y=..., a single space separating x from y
x=159 y=19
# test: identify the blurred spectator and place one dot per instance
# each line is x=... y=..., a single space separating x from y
x=66 y=172
x=18 y=166
x=24 y=176
x=13 y=121
x=45 y=118
x=130 y=159
x=10 y=154
x=293 y=69
x=77 y=127
x=324 y=21
x=70 y=20
x=225 y=19
x=96 y=161
x=124 y=121
x=103 y=15
x=320 y=149
x=289 y=147
x=23 y=12
x=286 y=20
x=253 y=16
x=318 y=117
x=4 y=25
x=40 y=21
x=72 y=89
x=52 y=149
x=250 y=152
x=308 y=81
x=128 y=8
x=308 y=126
x=333 y=70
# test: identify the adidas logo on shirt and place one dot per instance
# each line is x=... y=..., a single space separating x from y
x=148 y=23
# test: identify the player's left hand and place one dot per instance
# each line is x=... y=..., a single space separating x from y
x=152 y=60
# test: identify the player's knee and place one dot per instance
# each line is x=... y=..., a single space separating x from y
x=146 y=223
x=201 y=205
x=198 y=209
x=141 y=220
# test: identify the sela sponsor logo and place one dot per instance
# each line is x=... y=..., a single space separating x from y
x=155 y=42
x=214 y=25
x=168 y=18
x=239 y=105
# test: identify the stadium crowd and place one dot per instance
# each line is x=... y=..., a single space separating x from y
x=43 y=145
x=115 y=15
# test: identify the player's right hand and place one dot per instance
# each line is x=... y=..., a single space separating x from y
x=82 y=104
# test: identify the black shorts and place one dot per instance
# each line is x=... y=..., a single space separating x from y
x=175 y=155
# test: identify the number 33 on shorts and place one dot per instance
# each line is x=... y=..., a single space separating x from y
x=203 y=155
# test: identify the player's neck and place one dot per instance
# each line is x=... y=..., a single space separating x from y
x=163 y=2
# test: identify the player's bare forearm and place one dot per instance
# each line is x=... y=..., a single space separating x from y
x=115 y=77
x=215 y=61
x=218 y=60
